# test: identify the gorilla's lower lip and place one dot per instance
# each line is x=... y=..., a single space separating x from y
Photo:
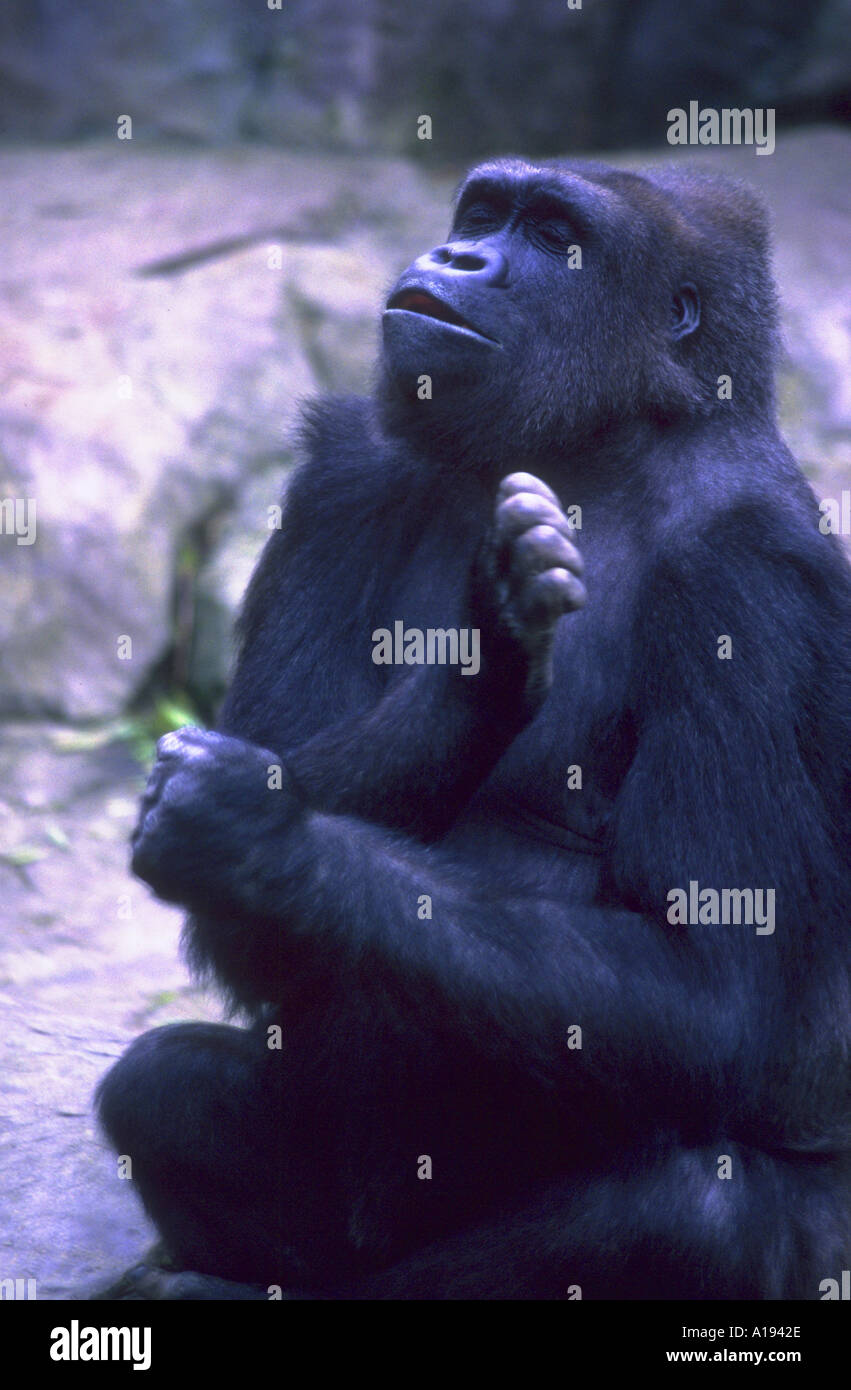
x=426 y=305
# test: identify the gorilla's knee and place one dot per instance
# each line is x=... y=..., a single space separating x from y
x=128 y=1093
x=168 y=1081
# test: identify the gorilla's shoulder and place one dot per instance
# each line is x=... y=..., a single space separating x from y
x=348 y=466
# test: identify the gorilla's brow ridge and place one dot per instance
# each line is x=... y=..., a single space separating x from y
x=580 y=198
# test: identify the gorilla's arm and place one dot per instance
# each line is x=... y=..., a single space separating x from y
x=413 y=759
x=498 y=969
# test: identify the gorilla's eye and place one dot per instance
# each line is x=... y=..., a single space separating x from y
x=477 y=219
x=554 y=233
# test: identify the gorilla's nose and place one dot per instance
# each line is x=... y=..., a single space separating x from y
x=484 y=264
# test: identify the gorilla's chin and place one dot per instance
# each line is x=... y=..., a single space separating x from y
x=417 y=346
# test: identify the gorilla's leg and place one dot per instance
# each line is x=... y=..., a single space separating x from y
x=671 y=1229
x=193 y=1106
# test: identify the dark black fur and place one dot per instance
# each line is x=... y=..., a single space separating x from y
x=552 y=1167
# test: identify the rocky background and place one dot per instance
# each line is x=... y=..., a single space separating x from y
x=165 y=303
x=546 y=76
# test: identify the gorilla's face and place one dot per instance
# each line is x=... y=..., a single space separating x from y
x=530 y=324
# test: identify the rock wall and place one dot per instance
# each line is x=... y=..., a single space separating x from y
x=551 y=76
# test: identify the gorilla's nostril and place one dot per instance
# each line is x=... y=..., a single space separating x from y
x=469 y=262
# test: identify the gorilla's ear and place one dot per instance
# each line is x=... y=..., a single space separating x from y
x=685 y=311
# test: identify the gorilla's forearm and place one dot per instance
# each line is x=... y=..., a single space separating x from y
x=413 y=761
x=509 y=992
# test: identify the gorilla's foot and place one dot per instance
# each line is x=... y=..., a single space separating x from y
x=151 y=1280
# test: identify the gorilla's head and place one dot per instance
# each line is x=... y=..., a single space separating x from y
x=572 y=299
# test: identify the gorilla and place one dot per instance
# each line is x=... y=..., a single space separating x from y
x=541 y=958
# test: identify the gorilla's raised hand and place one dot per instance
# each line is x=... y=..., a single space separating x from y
x=526 y=577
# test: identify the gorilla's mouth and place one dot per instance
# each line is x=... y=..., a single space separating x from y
x=421 y=302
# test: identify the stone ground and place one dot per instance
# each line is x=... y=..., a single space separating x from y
x=89 y=959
